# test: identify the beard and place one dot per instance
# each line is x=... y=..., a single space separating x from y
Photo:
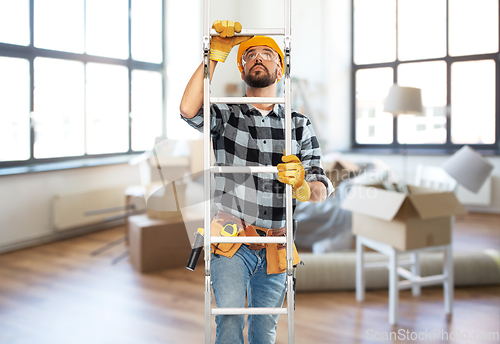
x=261 y=78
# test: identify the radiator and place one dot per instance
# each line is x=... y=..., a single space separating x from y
x=481 y=198
x=69 y=208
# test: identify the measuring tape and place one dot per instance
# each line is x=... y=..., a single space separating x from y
x=230 y=229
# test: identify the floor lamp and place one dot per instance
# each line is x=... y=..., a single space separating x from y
x=404 y=100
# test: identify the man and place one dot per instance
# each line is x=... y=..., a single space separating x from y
x=253 y=135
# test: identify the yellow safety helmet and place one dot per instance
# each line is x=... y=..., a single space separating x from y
x=256 y=41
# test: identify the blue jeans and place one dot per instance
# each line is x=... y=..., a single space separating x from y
x=246 y=272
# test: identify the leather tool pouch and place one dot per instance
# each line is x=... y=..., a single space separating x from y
x=221 y=220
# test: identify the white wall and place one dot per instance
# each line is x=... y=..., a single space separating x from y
x=26 y=199
x=183 y=55
x=338 y=73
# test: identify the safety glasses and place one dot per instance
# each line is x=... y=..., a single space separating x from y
x=266 y=54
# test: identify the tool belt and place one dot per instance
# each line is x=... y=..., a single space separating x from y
x=229 y=225
x=224 y=218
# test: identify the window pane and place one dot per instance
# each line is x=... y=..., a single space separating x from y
x=473 y=27
x=14 y=22
x=374 y=31
x=430 y=77
x=421 y=29
x=107 y=108
x=59 y=25
x=147 y=30
x=107 y=28
x=146 y=109
x=59 y=108
x=473 y=102
x=373 y=125
x=14 y=109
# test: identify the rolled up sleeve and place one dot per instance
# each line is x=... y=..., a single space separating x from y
x=216 y=121
x=311 y=158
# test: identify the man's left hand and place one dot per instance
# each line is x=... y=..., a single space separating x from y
x=292 y=172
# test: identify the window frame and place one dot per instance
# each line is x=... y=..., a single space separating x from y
x=448 y=146
x=30 y=52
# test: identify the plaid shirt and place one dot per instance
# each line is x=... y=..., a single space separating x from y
x=243 y=137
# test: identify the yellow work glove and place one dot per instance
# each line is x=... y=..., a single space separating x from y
x=221 y=45
x=292 y=172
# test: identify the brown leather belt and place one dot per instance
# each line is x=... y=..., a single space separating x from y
x=250 y=230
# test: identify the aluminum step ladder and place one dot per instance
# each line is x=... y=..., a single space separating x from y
x=209 y=170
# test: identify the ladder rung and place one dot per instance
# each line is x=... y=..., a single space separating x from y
x=248 y=240
x=247 y=100
x=254 y=32
x=254 y=310
x=244 y=169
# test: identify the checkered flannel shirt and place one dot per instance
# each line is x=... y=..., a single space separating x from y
x=243 y=137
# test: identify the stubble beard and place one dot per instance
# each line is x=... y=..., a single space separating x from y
x=261 y=78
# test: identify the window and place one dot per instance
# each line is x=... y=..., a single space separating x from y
x=447 y=48
x=60 y=104
x=14 y=121
x=92 y=89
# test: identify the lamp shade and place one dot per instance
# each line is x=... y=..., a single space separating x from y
x=404 y=100
x=468 y=168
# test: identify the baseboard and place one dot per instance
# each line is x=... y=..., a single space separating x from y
x=483 y=210
x=61 y=235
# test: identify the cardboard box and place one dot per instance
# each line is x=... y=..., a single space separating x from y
x=164 y=202
x=339 y=170
x=160 y=244
x=420 y=219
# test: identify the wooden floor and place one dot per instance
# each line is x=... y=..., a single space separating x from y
x=59 y=294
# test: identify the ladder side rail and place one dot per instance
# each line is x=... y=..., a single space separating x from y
x=206 y=170
x=288 y=148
